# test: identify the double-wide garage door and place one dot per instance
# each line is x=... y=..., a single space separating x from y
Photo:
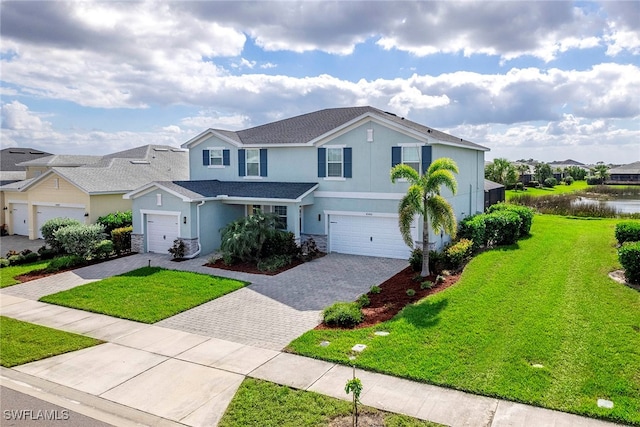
x=45 y=213
x=367 y=235
x=162 y=230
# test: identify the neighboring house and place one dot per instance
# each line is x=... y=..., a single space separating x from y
x=493 y=193
x=10 y=171
x=326 y=174
x=558 y=167
x=86 y=187
x=625 y=174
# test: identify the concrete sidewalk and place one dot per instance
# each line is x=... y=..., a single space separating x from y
x=151 y=375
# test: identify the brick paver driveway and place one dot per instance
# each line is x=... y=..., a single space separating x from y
x=274 y=310
x=269 y=313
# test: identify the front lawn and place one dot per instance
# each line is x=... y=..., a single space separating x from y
x=22 y=342
x=147 y=295
x=544 y=191
x=539 y=322
x=264 y=404
x=7 y=274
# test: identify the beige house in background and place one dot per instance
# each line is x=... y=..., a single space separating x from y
x=85 y=187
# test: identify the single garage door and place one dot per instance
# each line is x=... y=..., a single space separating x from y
x=45 y=213
x=162 y=230
x=367 y=235
x=19 y=219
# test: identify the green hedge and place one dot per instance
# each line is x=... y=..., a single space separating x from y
x=50 y=227
x=629 y=257
x=474 y=229
x=343 y=314
x=628 y=231
x=115 y=220
x=457 y=253
x=121 y=238
x=80 y=239
x=525 y=214
x=502 y=227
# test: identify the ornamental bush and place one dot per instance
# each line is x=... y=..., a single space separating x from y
x=343 y=314
x=550 y=182
x=457 y=253
x=121 y=238
x=50 y=227
x=628 y=231
x=64 y=262
x=80 y=239
x=474 y=229
x=525 y=214
x=243 y=239
x=502 y=227
x=104 y=249
x=629 y=257
x=115 y=220
x=568 y=180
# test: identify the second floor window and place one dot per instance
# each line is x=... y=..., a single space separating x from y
x=253 y=162
x=411 y=157
x=334 y=162
x=215 y=157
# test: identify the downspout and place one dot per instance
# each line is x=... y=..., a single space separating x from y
x=196 y=253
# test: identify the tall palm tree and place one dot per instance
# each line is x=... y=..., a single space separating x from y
x=423 y=198
x=601 y=171
x=522 y=170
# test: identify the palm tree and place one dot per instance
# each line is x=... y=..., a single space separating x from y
x=423 y=198
x=601 y=171
x=522 y=169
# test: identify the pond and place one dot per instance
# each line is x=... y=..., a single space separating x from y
x=621 y=205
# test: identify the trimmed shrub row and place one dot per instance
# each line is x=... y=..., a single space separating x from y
x=629 y=257
x=627 y=231
x=343 y=314
x=503 y=224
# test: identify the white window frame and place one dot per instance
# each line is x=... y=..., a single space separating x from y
x=341 y=162
x=282 y=223
x=213 y=150
x=419 y=161
x=246 y=163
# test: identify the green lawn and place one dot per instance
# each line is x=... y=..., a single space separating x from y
x=264 y=404
x=558 y=189
x=7 y=274
x=22 y=342
x=546 y=301
x=147 y=295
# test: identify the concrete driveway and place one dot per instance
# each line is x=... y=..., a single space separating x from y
x=269 y=313
x=19 y=243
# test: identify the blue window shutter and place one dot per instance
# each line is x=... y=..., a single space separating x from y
x=322 y=162
x=396 y=156
x=205 y=158
x=226 y=157
x=346 y=156
x=426 y=157
x=241 y=163
x=263 y=162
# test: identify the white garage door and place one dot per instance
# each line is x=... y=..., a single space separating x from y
x=19 y=219
x=45 y=213
x=367 y=235
x=162 y=230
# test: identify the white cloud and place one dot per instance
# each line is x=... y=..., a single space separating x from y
x=210 y=119
x=16 y=116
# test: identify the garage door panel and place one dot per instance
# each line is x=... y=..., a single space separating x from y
x=367 y=235
x=162 y=230
x=45 y=213
x=19 y=223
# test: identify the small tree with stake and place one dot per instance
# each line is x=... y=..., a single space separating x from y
x=354 y=386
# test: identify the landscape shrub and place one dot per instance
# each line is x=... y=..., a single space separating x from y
x=363 y=301
x=242 y=239
x=411 y=292
x=550 y=182
x=104 y=249
x=115 y=220
x=16 y=259
x=121 y=238
x=80 y=239
x=49 y=229
x=274 y=262
x=568 y=180
x=502 y=227
x=12 y=253
x=532 y=184
x=457 y=253
x=343 y=314
x=474 y=229
x=375 y=289
x=518 y=186
x=178 y=249
x=525 y=214
x=629 y=257
x=628 y=231
x=440 y=279
x=415 y=259
x=4 y=262
x=46 y=253
x=30 y=257
x=280 y=243
x=309 y=249
x=427 y=284
x=64 y=262
x=436 y=260
x=593 y=180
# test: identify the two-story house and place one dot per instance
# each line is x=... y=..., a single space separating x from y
x=326 y=174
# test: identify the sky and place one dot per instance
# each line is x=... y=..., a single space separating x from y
x=548 y=80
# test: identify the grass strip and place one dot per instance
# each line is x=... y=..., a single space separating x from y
x=147 y=295
x=8 y=274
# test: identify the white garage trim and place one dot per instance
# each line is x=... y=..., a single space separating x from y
x=165 y=223
x=19 y=218
x=366 y=233
x=59 y=205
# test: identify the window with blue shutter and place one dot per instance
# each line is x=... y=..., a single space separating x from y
x=205 y=157
x=322 y=162
x=426 y=157
x=396 y=156
x=241 y=163
x=347 y=162
x=263 y=162
x=226 y=157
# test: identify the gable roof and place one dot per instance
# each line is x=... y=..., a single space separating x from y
x=568 y=162
x=112 y=174
x=631 y=169
x=306 y=128
x=11 y=157
x=491 y=185
x=215 y=189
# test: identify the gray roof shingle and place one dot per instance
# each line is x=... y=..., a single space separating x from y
x=195 y=190
x=630 y=169
x=11 y=157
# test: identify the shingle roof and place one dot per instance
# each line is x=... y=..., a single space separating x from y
x=10 y=157
x=307 y=127
x=195 y=190
x=491 y=185
x=631 y=169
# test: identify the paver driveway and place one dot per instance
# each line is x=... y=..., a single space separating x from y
x=269 y=313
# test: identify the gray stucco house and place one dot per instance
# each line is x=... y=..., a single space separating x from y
x=325 y=173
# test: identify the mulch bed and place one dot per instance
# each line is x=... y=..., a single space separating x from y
x=247 y=267
x=393 y=297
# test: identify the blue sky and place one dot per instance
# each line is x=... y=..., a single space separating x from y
x=544 y=80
